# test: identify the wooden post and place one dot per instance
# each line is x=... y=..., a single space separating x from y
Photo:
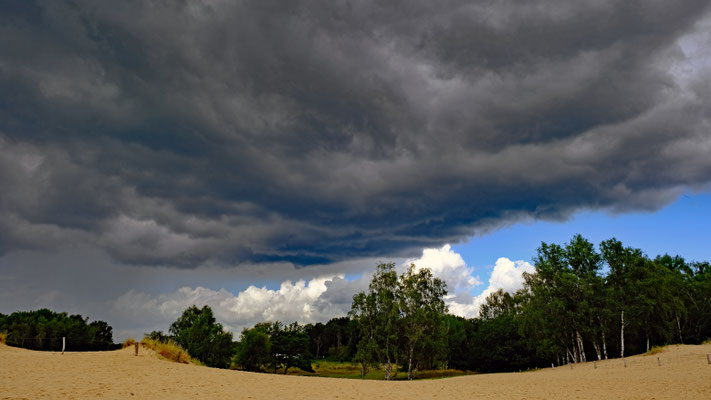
x=136 y=344
x=659 y=362
x=64 y=343
x=179 y=353
x=625 y=361
x=708 y=358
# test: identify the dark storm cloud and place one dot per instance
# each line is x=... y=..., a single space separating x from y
x=174 y=133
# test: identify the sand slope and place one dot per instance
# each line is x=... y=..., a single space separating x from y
x=684 y=374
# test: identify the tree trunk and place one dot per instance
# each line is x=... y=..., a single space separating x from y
x=622 y=334
x=409 y=361
x=602 y=333
x=569 y=356
x=388 y=365
x=678 y=328
x=597 y=351
x=581 y=347
x=647 y=335
x=604 y=344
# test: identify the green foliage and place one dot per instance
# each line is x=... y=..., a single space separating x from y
x=197 y=331
x=43 y=330
x=253 y=350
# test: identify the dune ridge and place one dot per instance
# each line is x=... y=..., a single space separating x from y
x=684 y=374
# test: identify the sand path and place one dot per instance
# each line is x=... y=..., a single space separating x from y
x=25 y=374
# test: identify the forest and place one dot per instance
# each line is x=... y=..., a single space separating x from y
x=43 y=330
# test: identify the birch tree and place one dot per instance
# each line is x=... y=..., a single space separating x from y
x=421 y=302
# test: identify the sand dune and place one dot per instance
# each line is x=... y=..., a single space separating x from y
x=684 y=374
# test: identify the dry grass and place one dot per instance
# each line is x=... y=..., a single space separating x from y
x=655 y=350
x=169 y=351
x=128 y=343
x=3 y=338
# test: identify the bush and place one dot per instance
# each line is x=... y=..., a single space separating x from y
x=3 y=337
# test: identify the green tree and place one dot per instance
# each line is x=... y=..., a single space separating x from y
x=422 y=308
x=378 y=316
x=254 y=349
x=197 y=331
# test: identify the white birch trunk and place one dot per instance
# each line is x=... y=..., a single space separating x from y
x=597 y=351
x=604 y=345
x=388 y=365
x=678 y=327
x=647 y=341
x=581 y=347
x=409 y=366
x=602 y=333
x=622 y=334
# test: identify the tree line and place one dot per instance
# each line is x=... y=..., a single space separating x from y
x=43 y=330
x=582 y=302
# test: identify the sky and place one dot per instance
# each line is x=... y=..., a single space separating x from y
x=262 y=157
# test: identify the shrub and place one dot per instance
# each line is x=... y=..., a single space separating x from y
x=128 y=343
x=3 y=337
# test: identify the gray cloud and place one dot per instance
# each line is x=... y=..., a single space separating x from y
x=219 y=133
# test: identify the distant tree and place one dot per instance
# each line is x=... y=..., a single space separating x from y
x=291 y=348
x=400 y=317
x=44 y=329
x=378 y=315
x=253 y=350
x=198 y=332
x=157 y=336
x=497 y=303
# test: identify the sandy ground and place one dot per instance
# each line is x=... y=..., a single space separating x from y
x=25 y=374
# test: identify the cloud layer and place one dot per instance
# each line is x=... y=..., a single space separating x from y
x=216 y=132
x=308 y=301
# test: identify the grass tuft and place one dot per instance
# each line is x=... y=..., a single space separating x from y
x=128 y=342
x=3 y=337
x=169 y=350
x=655 y=350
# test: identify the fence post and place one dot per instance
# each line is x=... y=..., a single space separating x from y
x=708 y=358
x=64 y=343
x=136 y=348
x=659 y=362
